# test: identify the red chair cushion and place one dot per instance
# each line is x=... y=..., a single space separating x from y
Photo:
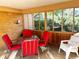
x=27 y=33
x=15 y=47
x=29 y=47
x=9 y=44
x=42 y=44
x=44 y=37
x=7 y=40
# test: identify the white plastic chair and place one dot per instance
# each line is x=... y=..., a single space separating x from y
x=71 y=45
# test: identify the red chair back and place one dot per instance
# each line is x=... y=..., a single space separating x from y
x=45 y=37
x=29 y=47
x=27 y=33
x=9 y=44
x=7 y=41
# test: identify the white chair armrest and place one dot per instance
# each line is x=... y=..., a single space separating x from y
x=64 y=41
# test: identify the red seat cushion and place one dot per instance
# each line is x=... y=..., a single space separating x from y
x=27 y=33
x=15 y=47
x=9 y=44
x=44 y=38
x=42 y=44
x=7 y=40
x=29 y=47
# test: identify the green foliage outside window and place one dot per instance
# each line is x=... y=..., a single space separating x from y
x=57 y=20
x=76 y=20
x=68 y=19
x=50 y=21
x=39 y=21
x=36 y=17
x=42 y=17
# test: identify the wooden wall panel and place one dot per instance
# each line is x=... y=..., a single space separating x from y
x=8 y=9
x=8 y=25
x=56 y=37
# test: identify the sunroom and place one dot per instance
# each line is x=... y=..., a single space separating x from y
x=39 y=29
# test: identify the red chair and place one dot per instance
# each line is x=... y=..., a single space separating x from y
x=44 y=39
x=27 y=33
x=29 y=47
x=9 y=44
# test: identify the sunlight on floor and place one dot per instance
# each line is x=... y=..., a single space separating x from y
x=77 y=57
x=2 y=57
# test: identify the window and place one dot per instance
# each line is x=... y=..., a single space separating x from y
x=39 y=21
x=28 y=21
x=76 y=20
x=68 y=19
x=36 y=17
x=50 y=21
x=25 y=21
x=42 y=17
x=57 y=20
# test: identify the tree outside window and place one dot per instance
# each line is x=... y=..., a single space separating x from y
x=49 y=21
x=36 y=17
x=68 y=19
x=42 y=17
x=57 y=20
x=76 y=20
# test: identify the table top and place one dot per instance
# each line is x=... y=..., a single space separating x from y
x=32 y=38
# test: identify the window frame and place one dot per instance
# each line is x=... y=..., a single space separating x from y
x=62 y=20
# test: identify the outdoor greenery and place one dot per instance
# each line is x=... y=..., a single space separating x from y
x=57 y=20
x=76 y=25
x=42 y=17
x=36 y=20
x=68 y=18
x=50 y=21
x=39 y=21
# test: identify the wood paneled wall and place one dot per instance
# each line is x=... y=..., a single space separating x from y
x=8 y=25
x=56 y=37
x=8 y=9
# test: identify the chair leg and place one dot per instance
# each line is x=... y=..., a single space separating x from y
x=67 y=55
x=77 y=53
x=43 y=48
x=21 y=56
x=59 y=50
x=38 y=55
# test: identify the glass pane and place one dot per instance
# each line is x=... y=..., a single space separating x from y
x=57 y=20
x=30 y=24
x=49 y=21
x=36 y=17
x=42 y=17
x=68 y=19
x=76 y=20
